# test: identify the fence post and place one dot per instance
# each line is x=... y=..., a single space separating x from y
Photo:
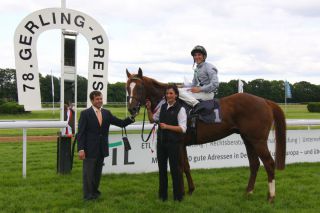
x=24 y=155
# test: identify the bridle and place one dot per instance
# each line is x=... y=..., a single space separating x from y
x=138 y=106
x=140 y=92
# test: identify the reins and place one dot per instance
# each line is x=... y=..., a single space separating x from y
x=144 y=114
x=154 y=126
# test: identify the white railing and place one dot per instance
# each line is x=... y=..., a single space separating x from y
x=303 y=122
x=61 y=124
x=24 y=125
x=290 y=122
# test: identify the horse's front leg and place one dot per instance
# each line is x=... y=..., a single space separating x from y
x=254 y=164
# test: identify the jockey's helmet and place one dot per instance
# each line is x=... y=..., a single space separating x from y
x=199 y=49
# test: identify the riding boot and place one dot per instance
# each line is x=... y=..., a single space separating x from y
x=194 y=109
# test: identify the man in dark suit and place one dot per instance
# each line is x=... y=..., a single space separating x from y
x=93 y=144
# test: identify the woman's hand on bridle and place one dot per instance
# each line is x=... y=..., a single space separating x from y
x=148 y=104
x=163 y=126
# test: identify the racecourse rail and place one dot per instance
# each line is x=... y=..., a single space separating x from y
x=61 y=124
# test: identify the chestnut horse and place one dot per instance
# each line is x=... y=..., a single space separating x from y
x=250 y=116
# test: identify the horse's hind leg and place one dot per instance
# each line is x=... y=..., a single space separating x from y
x=269 y=165
x=186 y=169
x=181 y=169
x=254 y=164
x=190 y=181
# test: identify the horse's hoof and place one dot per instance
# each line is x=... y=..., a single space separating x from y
x=249 y=193
x=270 y=199
x=190 y=191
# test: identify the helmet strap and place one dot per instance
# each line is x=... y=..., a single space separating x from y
x=194 y=62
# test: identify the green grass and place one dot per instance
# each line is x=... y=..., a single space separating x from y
x=217 y=190
x=55 y=115
x=299 y=111
x=120 y=112
x=292 y=112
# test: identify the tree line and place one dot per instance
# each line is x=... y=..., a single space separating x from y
x=302 y=91
x=8 y=88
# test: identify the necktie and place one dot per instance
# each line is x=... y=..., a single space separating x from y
x=196 y=72
x=99 y=116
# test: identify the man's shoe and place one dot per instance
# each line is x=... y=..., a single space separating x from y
x=179 y=198
x=90 y=197
x=163 y=199
x=97 y=194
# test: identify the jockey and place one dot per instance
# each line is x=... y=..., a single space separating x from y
x=205 y=80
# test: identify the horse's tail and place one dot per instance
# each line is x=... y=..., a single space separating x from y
x=280 y=130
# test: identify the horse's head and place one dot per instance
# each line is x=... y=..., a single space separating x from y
x=136 y=92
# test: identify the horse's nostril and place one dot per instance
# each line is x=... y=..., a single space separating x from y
x=132 y=111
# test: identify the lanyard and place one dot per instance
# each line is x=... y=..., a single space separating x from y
x=125 y=132
x=196 y=70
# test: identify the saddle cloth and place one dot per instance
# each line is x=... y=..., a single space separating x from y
x=206 y=111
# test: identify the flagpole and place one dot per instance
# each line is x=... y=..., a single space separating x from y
x=52 y=92
x=287 y=94
x=240 y=86
x=285 y=104
x=285 y=97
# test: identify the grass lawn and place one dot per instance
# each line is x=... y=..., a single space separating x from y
x=292 y=112
x=217 y=190
x=55 y=115
x=120 y=112
x=299 y=111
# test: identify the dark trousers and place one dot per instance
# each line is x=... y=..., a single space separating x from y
x=169 y=151
x=91 y=175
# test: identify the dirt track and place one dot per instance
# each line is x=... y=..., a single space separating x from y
x=29 y=139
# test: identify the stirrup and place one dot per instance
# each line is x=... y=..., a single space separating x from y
x=193 y=122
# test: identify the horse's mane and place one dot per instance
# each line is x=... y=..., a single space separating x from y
x=154 y=82
x=154 y=89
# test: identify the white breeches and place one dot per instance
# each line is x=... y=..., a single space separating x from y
x=192 y=98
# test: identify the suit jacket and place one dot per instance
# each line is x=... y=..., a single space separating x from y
x=93 y=138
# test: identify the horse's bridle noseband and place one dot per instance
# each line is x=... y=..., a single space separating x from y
x=140 y=103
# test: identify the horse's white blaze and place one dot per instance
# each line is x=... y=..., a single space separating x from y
x=272 y=188
x=132 y=85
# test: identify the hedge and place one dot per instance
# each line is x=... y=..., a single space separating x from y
x=11 y=108
x=313 y=107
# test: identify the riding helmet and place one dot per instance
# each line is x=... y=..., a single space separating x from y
x=199 y=49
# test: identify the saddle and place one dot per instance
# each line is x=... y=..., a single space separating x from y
x=206 y=111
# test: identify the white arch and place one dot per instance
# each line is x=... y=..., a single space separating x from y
x=25 y=40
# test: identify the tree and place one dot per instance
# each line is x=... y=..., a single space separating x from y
x=305 y=92
x=117 y=92
x=276 y=92
x=46 y=88
x=8 y=85
x=82 y=89
x=225 y=89
x=259 y=87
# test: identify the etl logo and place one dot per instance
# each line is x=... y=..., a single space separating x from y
x=115 y=154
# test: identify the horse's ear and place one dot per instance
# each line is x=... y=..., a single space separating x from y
x=140 y=73
x=128 y=74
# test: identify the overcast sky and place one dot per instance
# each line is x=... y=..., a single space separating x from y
x=245 y=39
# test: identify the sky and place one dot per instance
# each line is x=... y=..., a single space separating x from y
x=245 y=39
